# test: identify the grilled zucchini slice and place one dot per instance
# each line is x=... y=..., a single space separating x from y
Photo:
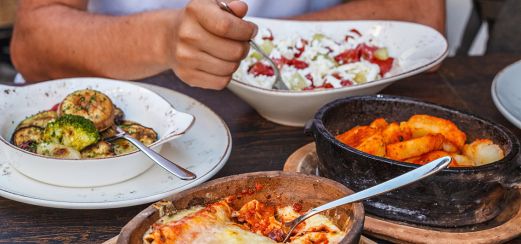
x=57 y=151
x=122 y=146
x=40 y=119
x=119 y=115
x=90 y=104
x=101 y=149
x=108 y=133
x=27 y=138
x=144 y=134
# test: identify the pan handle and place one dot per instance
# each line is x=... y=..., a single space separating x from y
x=513 y=179
x=308 y=127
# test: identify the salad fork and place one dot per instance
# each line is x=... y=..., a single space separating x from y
x=392 y=184
x=279 y=83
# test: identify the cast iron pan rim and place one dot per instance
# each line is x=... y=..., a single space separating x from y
x=321 y=129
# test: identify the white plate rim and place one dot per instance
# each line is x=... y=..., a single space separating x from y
x=496 y=99
x=130 y=202
x=400 y=76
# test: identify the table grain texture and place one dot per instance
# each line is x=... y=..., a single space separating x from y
x=258 y=145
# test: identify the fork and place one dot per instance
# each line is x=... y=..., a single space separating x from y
x=168 y=165
x=392 y=184
x=279 y=83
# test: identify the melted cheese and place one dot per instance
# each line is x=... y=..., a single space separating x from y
x=253 y=223
x=317 y=229
x=318 y=54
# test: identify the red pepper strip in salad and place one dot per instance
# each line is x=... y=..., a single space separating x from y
x=261 y=69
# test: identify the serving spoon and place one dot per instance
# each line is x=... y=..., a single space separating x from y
x=279 y=83
x=392 y=184
x=168 y=165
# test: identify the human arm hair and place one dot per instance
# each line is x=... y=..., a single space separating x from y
x=427 y=12
x=59 y=38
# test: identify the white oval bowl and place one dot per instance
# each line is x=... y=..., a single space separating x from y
x=416 y=48
x=139 y=104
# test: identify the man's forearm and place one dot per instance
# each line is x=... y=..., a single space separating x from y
x=72 y=42
x=427 y=12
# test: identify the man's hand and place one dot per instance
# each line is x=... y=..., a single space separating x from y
x=201 y=43
x=209 y=43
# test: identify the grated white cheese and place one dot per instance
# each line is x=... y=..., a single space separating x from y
x=319 y=53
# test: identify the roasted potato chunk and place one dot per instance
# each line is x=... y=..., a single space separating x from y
x=356 y=135
x=483 y=151
x=449 y=147
x=394 y=133
x=459 y=160
x=373 y=145
x=427 y=157
x=379 y=124
x=414 y=147
x=422 y=125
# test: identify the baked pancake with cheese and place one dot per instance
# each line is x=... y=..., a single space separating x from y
x=254 y=222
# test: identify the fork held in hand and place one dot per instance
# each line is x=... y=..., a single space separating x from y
x=279 y=83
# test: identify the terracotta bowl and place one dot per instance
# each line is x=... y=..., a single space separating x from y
x=452 y=197
x=279 y=188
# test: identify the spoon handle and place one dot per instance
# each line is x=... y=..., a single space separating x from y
x=170 y=166
x=400 y=181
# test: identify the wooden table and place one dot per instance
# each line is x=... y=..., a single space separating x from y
x=258 y=145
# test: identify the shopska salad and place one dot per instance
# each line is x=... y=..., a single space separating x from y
x=318 y=62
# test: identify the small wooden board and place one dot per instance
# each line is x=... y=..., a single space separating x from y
x=505 y=227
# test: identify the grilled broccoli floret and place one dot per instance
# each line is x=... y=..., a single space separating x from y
x=71 y=131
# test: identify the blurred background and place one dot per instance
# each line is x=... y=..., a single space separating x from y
x=7 y=14
x=469 y=23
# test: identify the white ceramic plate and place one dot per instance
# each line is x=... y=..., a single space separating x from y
x=416 y=48
x=506 y=93
x=204 y=150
